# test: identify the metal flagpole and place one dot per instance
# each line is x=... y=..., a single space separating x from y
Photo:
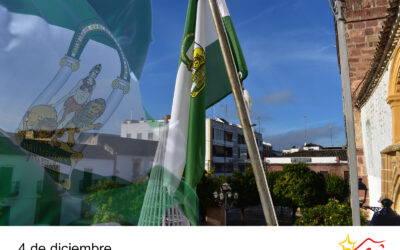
x=265 y=197
x=348 y=110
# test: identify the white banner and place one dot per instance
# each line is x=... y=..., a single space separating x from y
x=123 y=238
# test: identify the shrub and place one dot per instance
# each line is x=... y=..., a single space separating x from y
x=331 y=214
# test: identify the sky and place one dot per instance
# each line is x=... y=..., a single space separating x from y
x=289 y=47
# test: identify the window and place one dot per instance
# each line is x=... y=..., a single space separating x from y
x=324 y=173
x=139 y=136
x=6 y=174
x=136 y=168
x=228 y=152
x=218 y=151
x=5 y=215
x=128 y=135
x=150 y=136
x=227 y=136
x=346 y=176
x=240 y=139
x=218 y=134
x=243 y=153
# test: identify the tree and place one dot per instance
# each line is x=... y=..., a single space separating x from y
x=271 y=179
x=336 y=187
x=116 y=202
x=298 y=186
x=331 y=214
x=245 y=185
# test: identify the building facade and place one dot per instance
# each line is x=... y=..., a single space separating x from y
x=226 y=149
x=143 y=129
x=330 y=160
x=50 y=191
x=372 y=32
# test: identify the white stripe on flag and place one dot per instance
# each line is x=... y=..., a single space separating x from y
x=223 y=9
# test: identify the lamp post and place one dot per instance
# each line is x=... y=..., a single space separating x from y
x=225 y=198
x=362 y=187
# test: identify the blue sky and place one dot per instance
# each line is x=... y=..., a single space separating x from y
x=288 y=46
x=290 y=50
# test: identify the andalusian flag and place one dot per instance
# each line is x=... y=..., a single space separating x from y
x=66 y=65
x=201 y=82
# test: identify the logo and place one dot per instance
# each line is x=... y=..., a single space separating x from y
x=198 y=72
x=367 y=244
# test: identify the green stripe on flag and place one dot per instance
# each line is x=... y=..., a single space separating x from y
x=235 y=47
x=217 y=81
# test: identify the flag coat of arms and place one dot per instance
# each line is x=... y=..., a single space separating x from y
x=66 y=66
x=201 y=82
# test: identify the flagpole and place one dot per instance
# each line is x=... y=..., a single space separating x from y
x=348 y=111
x=265 y=197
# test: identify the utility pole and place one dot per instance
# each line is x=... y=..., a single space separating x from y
x=248 y=132
x=305 y=129
x=348 y=110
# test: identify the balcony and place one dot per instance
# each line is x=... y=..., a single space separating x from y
x=244 y=160
x=222 y=143
x=221 y=159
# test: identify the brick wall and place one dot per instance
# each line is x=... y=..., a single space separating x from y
x=331 y=168
x=364 y=20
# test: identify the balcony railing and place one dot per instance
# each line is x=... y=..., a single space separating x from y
x=221 y=159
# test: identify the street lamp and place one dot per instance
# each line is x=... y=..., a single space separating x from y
x=225 y=198
x=362 y=187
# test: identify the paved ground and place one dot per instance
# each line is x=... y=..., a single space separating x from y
x=254 y=217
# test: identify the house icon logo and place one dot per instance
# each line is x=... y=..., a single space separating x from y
x=367 y=244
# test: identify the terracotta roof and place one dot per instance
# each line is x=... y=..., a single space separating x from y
x=124 y=146
x=384 y=50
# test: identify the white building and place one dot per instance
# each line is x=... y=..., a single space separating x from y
x=226 y=149
x=32 y=187
x=143 y=129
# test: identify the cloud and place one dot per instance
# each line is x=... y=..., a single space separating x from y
x=278 y=98
x=296 y=137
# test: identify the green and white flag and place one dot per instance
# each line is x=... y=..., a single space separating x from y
x=65 y=68
x=201 y=82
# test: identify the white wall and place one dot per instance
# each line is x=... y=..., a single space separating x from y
x=139 y=127
x=286 y=160
x=376 y=118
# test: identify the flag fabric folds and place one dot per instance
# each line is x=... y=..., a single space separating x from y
x=201 y=82
x=66 y=65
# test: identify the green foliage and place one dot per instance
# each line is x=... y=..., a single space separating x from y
x=116 y=202
x=336 y=187
x=272 y=177
x=298 y=186
x=245 y=185
x=331 y=214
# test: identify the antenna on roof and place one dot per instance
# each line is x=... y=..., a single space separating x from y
x=305 y=128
